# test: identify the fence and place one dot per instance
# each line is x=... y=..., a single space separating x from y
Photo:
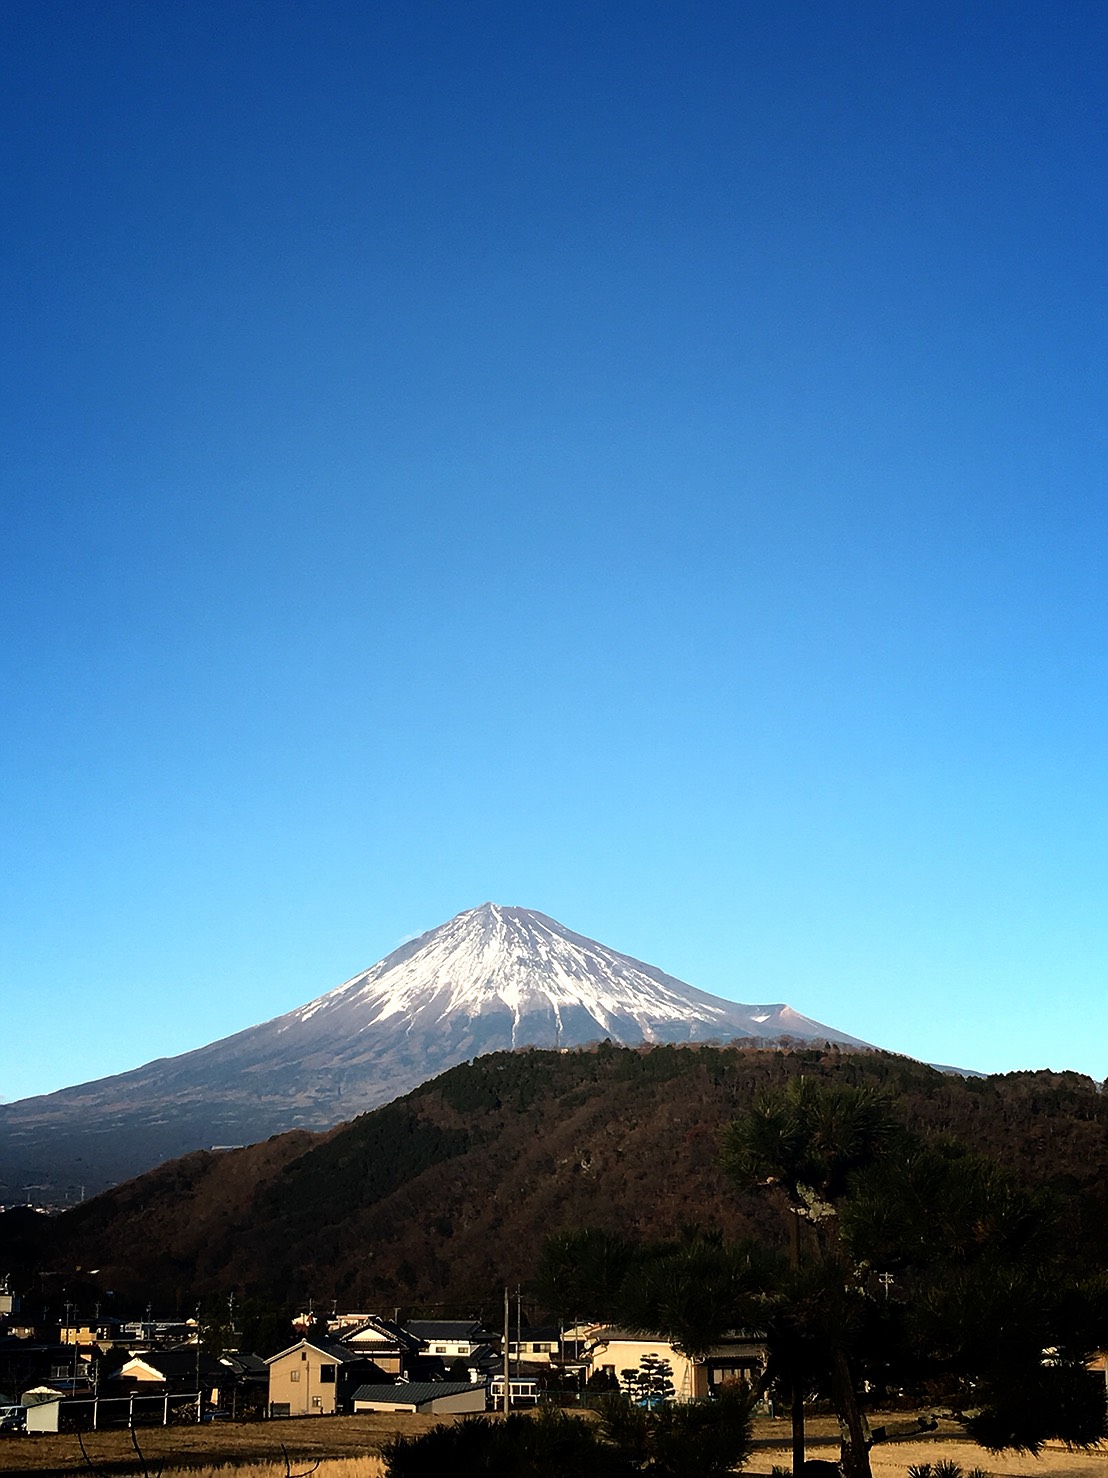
x=94 y=1413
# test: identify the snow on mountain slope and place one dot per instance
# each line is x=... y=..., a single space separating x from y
x=495 y=960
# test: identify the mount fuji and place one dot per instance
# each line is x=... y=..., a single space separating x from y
x=492 y=978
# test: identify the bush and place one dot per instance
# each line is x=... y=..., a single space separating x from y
x=549 y=1444
x=700 y=1439
x=944 y=1468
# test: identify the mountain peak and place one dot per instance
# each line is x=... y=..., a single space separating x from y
x=547 y=985
x=492 y=977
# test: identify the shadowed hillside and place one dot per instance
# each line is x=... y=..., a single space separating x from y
x=450 y=1190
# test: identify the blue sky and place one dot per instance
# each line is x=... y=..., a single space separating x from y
x=644 y=462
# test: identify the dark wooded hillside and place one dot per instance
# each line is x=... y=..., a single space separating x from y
x=448 y=1192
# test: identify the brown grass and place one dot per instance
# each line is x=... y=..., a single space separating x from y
x=339 y=1467
x=253 y=1448
x=349 y=1447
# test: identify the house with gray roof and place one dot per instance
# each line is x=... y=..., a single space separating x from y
x=453 y=1339
x=435 y=1397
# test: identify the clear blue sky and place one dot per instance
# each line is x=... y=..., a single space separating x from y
x=640 y=461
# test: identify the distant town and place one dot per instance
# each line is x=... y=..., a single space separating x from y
x=93 y=1373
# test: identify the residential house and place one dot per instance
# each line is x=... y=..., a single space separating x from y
x=738 y=1357
x=244 y=1389
x=25 y=1363
x=87 y=1332
x=316 y=1377
x=536 y=1343
x=339 y=1325
x=151 y=1333
x=453 y=1339
x=171 y=1372
x=390 y=1347
x=544 y=1358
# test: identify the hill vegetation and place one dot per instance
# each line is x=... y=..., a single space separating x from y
x=439 y=1198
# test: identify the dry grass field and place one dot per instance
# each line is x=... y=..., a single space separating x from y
x=893 y=1459
x=229 y=1449
x=347 y=1447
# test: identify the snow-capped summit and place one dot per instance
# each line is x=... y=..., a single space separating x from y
x=544 y=986
x=490 y=979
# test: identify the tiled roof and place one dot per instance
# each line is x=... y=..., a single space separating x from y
x=414 y=1393
x=390 y=1332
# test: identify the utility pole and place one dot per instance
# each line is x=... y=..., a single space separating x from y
x=199 y=1401
x=507 y=1356
x=70 y=1338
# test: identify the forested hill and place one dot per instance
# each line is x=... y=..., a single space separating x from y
x=449 y=1191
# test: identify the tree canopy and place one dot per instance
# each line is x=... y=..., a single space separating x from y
x=914 y=1265
x=922 y=1264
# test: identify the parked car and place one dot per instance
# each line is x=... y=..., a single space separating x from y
x=13 y=1418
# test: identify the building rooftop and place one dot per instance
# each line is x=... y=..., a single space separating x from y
x=414 y=1393
x=449 y=1329
x=341 y=1354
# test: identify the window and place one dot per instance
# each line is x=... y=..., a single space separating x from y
x=317 y=1402
x=279 y=1408
x=327 y=1375
x=294 y=1375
